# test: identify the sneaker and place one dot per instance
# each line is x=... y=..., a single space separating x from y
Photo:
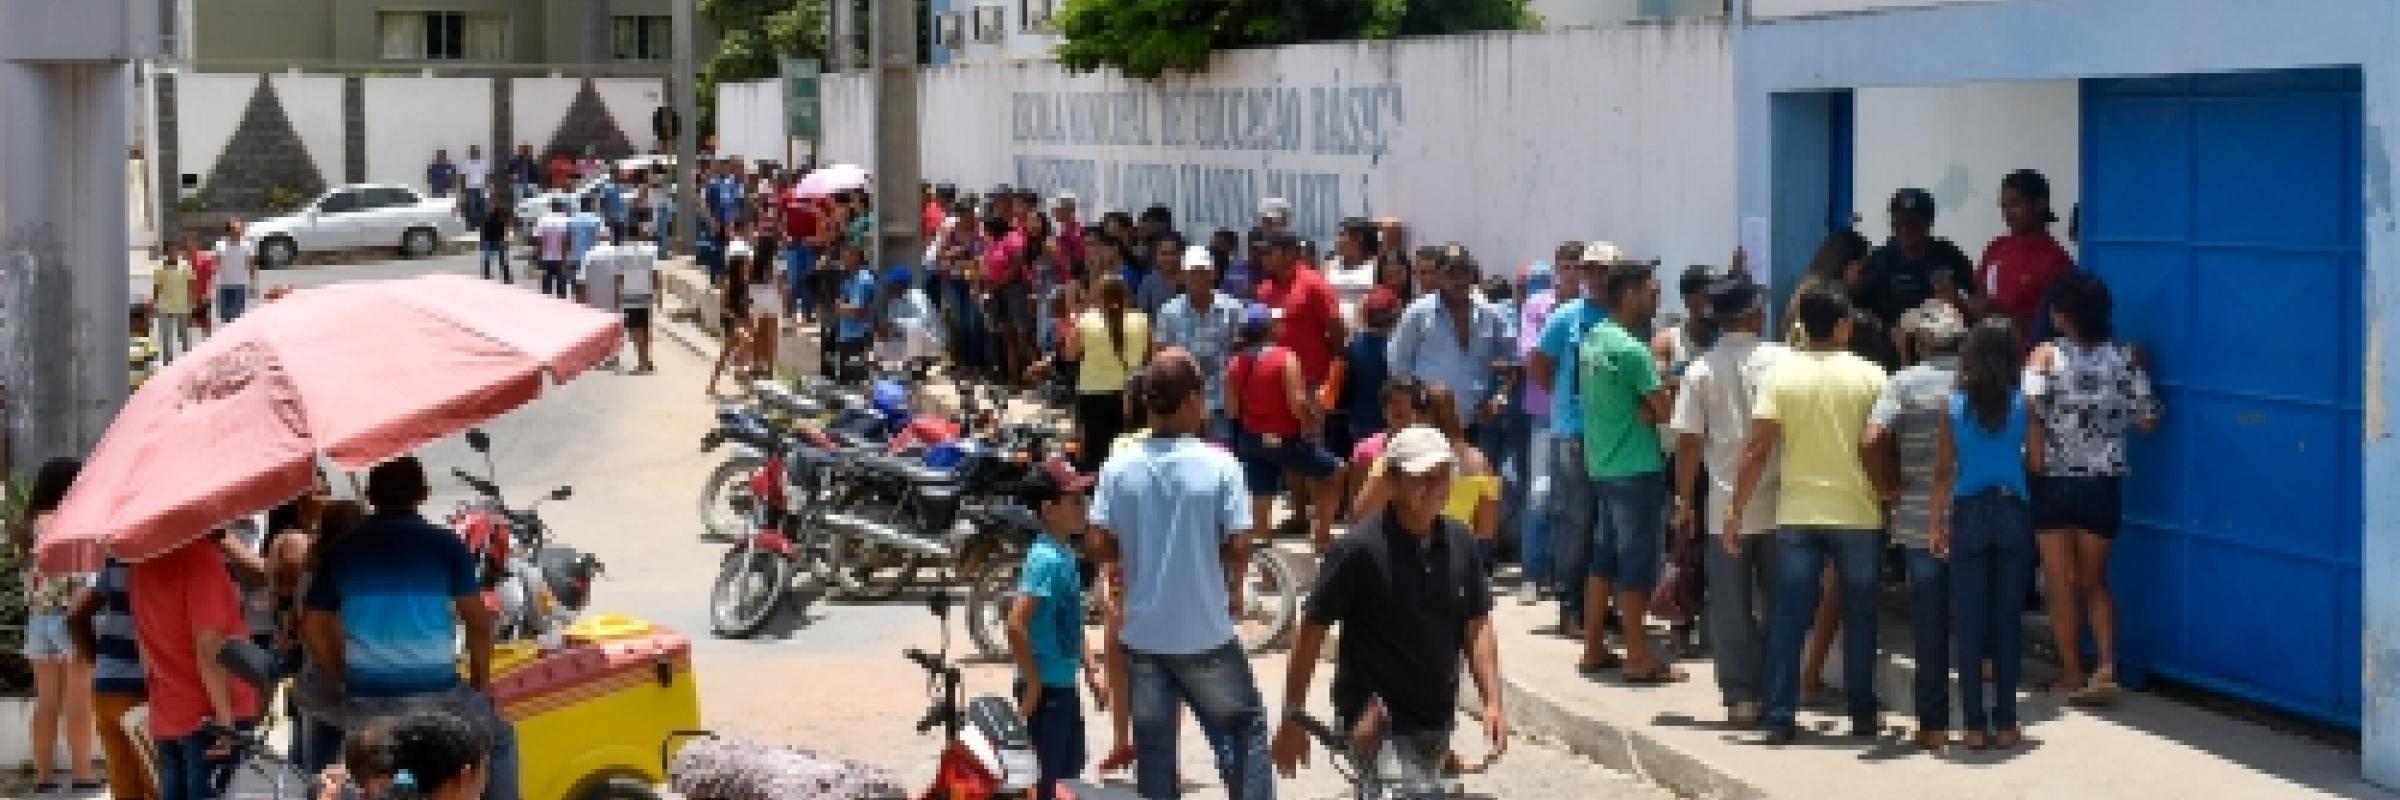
x=1528 y=594
x=1744 y=714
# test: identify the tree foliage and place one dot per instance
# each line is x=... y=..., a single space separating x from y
x=754 y=36
x=1146 y=38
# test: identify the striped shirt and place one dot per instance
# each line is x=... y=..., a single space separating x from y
x=117 y=664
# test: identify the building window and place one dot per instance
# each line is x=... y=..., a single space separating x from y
x=442 y=36
x=644 y=38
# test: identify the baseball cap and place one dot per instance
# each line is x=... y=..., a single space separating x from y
x=1197 y=257
x=1602 y=254
x=1275 y=207
x=1912 y=201
x=1732 y=298
x=1057 y=474
x=1417 y=449
x=1260 y=314
x=1063 y=198
x=1934 y=320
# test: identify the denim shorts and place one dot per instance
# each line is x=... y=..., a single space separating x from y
x=1632 y=519
x=1264 y=465
x=46 y=637
x=2092 y=503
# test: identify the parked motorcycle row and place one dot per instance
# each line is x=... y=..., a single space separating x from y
x=847 y=491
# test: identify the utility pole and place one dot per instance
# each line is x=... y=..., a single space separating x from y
x=66 y=79
x=892 y=59
x=841 y=32
x=687 y=135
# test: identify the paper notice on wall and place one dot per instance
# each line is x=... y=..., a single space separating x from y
x=1757 y=238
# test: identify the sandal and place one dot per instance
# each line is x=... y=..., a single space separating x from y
x=2101 y=691
x=1972 y=740
x=1657 y=675
x=1118 y=760
x=1608 y=661
x=1938 y=740
x=2009 y=738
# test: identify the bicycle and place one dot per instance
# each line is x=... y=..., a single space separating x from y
x=1383 y=774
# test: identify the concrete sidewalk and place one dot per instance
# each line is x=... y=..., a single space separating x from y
x=2145 y=746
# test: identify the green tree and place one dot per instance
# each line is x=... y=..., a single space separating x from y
x=754 y=36
x=1146 y=38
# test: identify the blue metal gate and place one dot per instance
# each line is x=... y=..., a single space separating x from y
x=2224 y=211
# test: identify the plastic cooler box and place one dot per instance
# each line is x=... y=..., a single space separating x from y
x=599 y=709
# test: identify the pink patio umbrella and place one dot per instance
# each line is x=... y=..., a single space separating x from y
x=360 y=372
x=838 y=177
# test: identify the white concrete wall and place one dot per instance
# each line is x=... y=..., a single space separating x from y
x=408 y=118
x=631 y=100
x=314 y=105
x=1762 y=9
x=538 y=104
x=1509 y=143
x=1958 y=142
x=750 y=120
x=208 y=107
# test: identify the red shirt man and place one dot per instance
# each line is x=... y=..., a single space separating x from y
x=178 y=598
x=932 y=217
x=1312 y=314
x=562 y=171
x=2017 y=269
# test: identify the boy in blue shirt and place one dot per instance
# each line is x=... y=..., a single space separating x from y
x=1045 y=625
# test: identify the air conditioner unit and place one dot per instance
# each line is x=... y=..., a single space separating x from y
x=1037 y=13
x=990 y=26
x=950 y=30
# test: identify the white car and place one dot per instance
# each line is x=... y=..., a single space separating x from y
x=356 y=216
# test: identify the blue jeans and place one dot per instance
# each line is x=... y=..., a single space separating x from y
x=497 y=252
x=798 y=262
x=471 y=201
x=1573 y=502
x=1741 y=607
x=1533 y=550
x=1991 y=563
x=185 y=771
x=1929 y=635
x=1801 y=554
x=1503 y=440
x=1056 y=728
x=231 y=300
x=1632 y=521
x=1217 y=685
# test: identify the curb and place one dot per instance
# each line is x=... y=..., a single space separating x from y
x=1625 y=748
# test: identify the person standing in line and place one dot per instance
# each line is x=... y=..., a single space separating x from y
x=854 y=332
x=637 y=290
x=599 y=275
x=1458 y=339
x=171 y=307
x=1902 y=274
x=1203 y=322
x=2089 y=389
x=1312 y=328
x=615 y=208
x=440 y=176
x=204 y=281
x=2020 y=266
x=1275 y=422
x=62 y=684
x=1357 y=399
x=1412 y=604
x=583 y=232
x=1989 y=439
x=552 y=244
x=1573 y=502
x=662 y=214
x=1174 y=511
x=1623 y=397
x=237 y=273
x=1908 y=419
x=560 y=171
x=1712 y=423
x=766 y=300
x=1165 y=281
x=493 y=227
x=1351 y=270
x=476 y=174
x=801 y=228
x=1811 y=418
x=1548 y=286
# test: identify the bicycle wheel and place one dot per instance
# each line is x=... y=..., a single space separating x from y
x=748 y=590
x=1270 y=602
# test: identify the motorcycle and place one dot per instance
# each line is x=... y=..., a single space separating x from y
x=987 y=752
x=532 y=586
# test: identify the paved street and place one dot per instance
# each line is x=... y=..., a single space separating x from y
x=831 y=676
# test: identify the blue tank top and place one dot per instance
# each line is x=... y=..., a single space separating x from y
x=1987 y=458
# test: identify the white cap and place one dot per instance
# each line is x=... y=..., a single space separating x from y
x=1602 y=253
x=1197 y=256
x=1274 y=207
x=1063 y=198
x=1417 y=449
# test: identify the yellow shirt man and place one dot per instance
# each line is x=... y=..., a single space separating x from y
x=1821 y=399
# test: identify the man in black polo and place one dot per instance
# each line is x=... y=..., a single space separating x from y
x=1914 y=265
x=1408 y=591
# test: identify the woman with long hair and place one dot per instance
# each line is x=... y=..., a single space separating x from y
x=1983 y=525
x=1109 y=343
x=1392 y=272
x=62 y=684
x=316 y=695
x=733 y=316
x=766 y=307
x=1841 y=260
x=2088 y=390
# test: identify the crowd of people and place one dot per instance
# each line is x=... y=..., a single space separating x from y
x=364 y=607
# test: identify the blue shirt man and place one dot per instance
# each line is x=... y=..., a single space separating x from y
x=441 y=175
x=583 y=231
x=613 y=205
x=725 y=202
x=398 y=585
x=1428 y=344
